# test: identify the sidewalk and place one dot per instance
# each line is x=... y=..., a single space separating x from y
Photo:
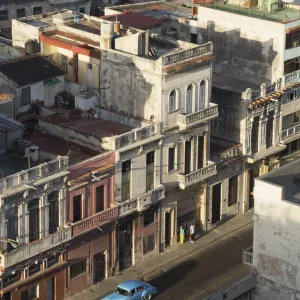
x=148 y=269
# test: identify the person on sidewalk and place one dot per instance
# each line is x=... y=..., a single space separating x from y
x=192 y=233
x=181 y=235
x=185 y=228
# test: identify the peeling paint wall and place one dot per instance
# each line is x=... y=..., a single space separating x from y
x=276 y=238
x=246 y=48
x=139 y=84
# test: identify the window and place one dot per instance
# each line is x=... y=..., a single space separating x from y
x=82 y=10
x=171 y=159
x=189 y=99
x=77 y=208
x=21 y=13
x=38 y=10
x=270 y=130
x=172 y=101
x=126 y=168
x=263 y=133
x=11 y=278
x=52 y=260
x=200 y=152
x=233 y=188
x=296 y=116
x=26 y=96
x=64 y=63
x=132 y=292
x=140 y=288
x=33 y=268
x=78 y=269
x=89 y=66
x=194 y=38
x=149 y=216
x=31 y=293
x=187 y=157
x=254 y=135
x=34 y=220
x=12 y=223
x=53 y=212
x=99 y=198
x=149 y=243
x=150 y=171
x=202 y=94
x=3 y=15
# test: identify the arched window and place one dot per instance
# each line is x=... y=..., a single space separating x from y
x=189 y=99
x=202 y=94
x=53 y=211
x=34 y=220
x=172 y=101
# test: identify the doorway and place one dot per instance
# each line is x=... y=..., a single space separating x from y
x=99 y=267
x=168 y=229
x=50 y=288
x=216 y=203
x=251 y=188
x=125 y=245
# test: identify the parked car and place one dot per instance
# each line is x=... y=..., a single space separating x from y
x=132 y=290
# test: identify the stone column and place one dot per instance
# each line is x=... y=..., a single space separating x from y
x=26 y=225
x=61 y=207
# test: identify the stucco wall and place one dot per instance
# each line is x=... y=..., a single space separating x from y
x=233 y=33
x=276 y=236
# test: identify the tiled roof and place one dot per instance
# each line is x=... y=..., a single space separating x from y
x=30 y=69
x=137 y=21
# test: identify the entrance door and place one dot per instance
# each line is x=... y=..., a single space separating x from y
x=99 y=267
x=50 y=289
x=187 y=158
x=125 y=245
x=167 y=229
x=216 y=203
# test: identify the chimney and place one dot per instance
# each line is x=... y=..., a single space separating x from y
x=107 y=33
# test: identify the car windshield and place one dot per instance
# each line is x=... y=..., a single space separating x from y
x=121 y=292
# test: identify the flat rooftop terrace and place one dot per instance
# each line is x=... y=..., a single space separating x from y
x=282 y=16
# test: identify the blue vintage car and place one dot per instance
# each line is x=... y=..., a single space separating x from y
x=132 y=290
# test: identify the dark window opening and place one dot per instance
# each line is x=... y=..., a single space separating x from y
x=3 y=15
x=78 y=269
x=292 y=40
x=149 y=243
x=292 y=65
x=12 y=223
x=38 y=10
x=52 y=260
x=200 y=152
x=53 y=212
x=150 y=171
x=99 y=198
x=233 y=190
x=126 y=176
x=187 y=160
x=33 y=268
x=21 y=13
x=26 y=96
x=149 y=217
x=77 y=208
x=31 y=293
x=270 y=129
x=194 y=38
x=11 y=278
x=34 y=220
x=82 y=10
x=171 y=159
x=254 y=135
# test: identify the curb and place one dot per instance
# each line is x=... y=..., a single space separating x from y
x=152 y=273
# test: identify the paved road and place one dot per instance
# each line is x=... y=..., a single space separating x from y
x=204 y=273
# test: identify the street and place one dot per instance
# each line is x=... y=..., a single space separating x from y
x=204 y=273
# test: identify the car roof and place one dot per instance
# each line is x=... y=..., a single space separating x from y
x=130 y=284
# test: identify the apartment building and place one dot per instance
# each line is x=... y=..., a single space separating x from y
x=33 y=227
x=274 y=256
x=15 y=10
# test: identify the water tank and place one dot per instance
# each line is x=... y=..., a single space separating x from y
x=117 y=27
x=35 y=153
x=107 y=30
x=31 y=47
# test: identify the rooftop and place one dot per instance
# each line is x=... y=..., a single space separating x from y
x=231 y=84
x=157 y=10
x=134 y=20
x=288 y=177
x=41 y=68
x=281 y=15
x=12 y=164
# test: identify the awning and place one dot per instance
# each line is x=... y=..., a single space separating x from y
x=52 y=81
x=293 y=29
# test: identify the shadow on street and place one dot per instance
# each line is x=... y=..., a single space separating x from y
x=174 y=275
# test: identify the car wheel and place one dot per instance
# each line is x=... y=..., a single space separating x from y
x=147 y=297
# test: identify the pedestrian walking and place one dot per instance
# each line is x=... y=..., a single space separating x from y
x=181 y=235
x=192 y=233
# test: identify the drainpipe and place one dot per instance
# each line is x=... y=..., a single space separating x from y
x=75 y=67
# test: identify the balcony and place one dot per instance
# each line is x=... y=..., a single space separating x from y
x=196 y=176
x=289 y=132
x=94 y=221
x=225 y=155
x=291 y=78
x=141 y=203
x=248 y=257
x=35 y=248
x=204 y=115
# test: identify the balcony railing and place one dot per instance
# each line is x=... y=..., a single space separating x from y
x=290 y=131
x=35 y=248
x=96 y=220
x=202 y=50
x=204 y=115
x=248 y=257
x=228 y=154
x=291 y=78
x=141 y=203
x=196 y=176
